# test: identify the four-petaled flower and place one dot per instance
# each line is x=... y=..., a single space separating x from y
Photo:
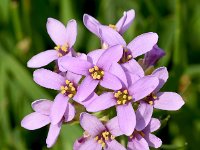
x=63 y=37
x=142 y=139
x=95 y=70
x=99 y=135
x=42 y=116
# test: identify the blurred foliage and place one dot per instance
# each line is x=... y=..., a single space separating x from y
x=23 y=34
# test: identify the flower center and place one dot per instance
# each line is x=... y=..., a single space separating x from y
x=68 y=89
x=150 y=98
x=113 y=26
x=126 y=56
x=62 y=49
x=103 y=137
x=96 y=73
x=122 y=97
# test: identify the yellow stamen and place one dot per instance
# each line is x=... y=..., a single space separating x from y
x=100 y=141
x=113 y=26
x=124 y=96
x=66 y=88
x=129 y=97
x=116 y=95
x=98 y=77
x=63 y=91
x=129 y=56
x=112 y=137
x=125 y=91
x=124 y=101
x=102 y=72
x=62 y=88
x=67 y=81
x=70 y=95
x=96 y=138
x=151 y=102
x=73 y=89
x=96 y=68
x=103 y=145
x=57 y=47
x=118 y=102
x=70 y=84
x=91 y=70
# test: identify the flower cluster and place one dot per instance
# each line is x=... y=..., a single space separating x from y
x=108 y=80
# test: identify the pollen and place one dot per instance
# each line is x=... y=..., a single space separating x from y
x=96 y=73
x=68 y=89
x=113 y=26
x=104 y=137
x=62 y=49
x=122 y=97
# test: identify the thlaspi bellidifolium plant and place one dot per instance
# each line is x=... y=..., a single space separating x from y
x=108 y=80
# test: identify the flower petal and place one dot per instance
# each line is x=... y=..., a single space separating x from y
x=48 y=79
x=42 y=59
x=142 y=43
x=153 y=140
x=94 y=56
x=126 y=117
x=153 y=125
x=58 y=108
x=34 y=121
x=69 y=113
x=42 y=106
x=117 y=70
x=75 y=65
x=91 y=124
x=91 y=24
x=114 y=145
x=113 y=127
x=133 y=67
x=153 y=56
x=102 y=102
x=162 y=74
x=138 y=143
x=74 y=78
x=110 y=36
x=131 y=78
x=56 y=31
x=71 y=32
x=124 y=23
x=143 y=115
x=88 y=100
x=53 y=133
x=107 y=58
x=86 y=87
x=90 y=144
x=110 y=81
x=79 y=142
x=168 y=101
x=143 y=87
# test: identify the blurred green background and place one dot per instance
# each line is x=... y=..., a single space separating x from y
x=23 y=34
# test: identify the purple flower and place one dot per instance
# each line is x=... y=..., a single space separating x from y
x=152 y=56
x=41 y=117
x=95 y=70
x=122 y=25
x=142 y=139
x=132 y=90
x=68 y=87
x=156 y=99
x=99 y=135
x=138 y=46
x=63 y=37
